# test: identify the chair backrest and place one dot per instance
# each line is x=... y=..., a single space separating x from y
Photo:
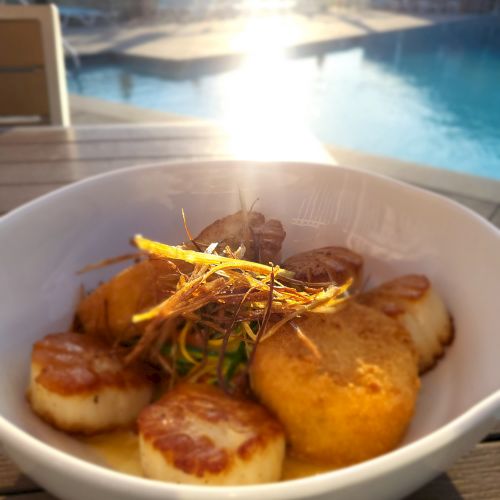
x=32 y=75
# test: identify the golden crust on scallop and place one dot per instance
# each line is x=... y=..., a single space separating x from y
x=198 y=434
x=327 y=264
x=73 y=363
x=78 y=384
x=343 y=385
x=412 y=301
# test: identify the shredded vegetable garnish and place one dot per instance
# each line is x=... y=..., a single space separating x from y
x=209 y=326
x=188 y=232
x=109 y=262
x=177 y=253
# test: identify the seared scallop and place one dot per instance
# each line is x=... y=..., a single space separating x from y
x=262 y=238
x=343 y=385
x=327 y=264
x=78 y=384
x=412 y=302
x=197 y=434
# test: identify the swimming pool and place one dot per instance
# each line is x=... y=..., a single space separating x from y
x=429 y=95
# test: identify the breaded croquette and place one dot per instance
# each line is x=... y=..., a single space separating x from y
x=343 y=385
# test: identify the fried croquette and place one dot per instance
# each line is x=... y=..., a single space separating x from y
x=197 y=434
x=343 y=385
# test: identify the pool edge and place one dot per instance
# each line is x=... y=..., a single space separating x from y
x=427 y=176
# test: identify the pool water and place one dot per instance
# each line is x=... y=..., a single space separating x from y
x=429 y=95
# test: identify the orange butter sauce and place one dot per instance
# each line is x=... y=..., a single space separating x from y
x=120 y=451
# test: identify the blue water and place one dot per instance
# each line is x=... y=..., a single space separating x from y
x=429 y=96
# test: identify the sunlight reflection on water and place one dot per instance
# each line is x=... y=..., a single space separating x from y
x=429 y=95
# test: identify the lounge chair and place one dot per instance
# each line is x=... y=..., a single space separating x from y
x=33 y=81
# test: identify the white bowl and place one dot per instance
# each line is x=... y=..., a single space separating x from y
x=398 y=228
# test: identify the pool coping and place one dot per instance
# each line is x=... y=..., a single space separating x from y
x=97 y=110
x=305 y=45
x=317 y=47
x=427 y=176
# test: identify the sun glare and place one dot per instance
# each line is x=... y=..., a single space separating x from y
x=264 y=101
x=266 y=32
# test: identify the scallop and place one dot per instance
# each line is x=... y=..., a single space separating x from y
x=327 y=264
x=412 y=301
x=79 y=384
x=197 y=434
x=262 y=238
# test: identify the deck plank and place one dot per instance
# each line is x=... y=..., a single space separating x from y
x=495 y=217
x=11 y=478
x=109 y=150
x=16 y=195
x=482 y=207
x=116 y=132
x=35 y=495
x=43 y=172
x=474 y=477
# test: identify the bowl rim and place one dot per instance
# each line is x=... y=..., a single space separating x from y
x=230 y=163
x=321 y=483
x=489 y=407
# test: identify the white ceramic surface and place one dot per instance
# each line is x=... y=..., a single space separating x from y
x=396 y=227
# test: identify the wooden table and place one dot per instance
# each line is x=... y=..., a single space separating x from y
x=35 y=161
